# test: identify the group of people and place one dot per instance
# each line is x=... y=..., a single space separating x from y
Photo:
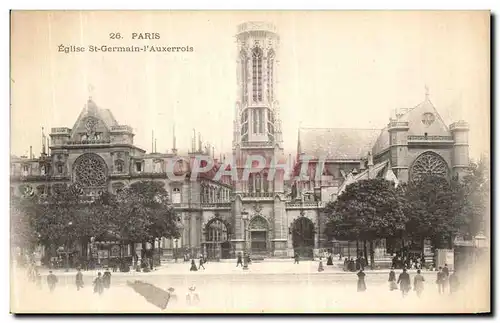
x=408 y=261
x=443 y=280
x=354 y=265
x=201 y=263
x=100 y=283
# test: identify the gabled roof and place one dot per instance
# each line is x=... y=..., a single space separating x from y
x=91 y=109
x=336 y=143
x=415 y=118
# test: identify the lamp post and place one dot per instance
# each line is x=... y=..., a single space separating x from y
x=245 y=251
x=175 y=249
x=67 y=247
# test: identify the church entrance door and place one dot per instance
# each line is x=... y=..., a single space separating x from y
x=303 y=237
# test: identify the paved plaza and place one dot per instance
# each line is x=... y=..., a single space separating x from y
x=223 y=288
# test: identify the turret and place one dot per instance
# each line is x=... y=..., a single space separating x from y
x=460 y=156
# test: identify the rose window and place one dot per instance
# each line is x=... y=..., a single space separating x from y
x=429 y=163
x=90 y=171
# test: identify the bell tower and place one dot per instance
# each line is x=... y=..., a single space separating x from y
x=257 y=124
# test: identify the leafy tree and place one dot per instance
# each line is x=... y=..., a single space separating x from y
x=474 y=196
x=433 y=210
x=23 y=214
x=367 y=210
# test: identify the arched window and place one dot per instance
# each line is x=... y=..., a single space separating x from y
x=255 y=120
x=250 y=183
x=257 y=74
x=270 y=76
x=261 y=121
x=216 y=231
x=258 y=184
x=244 y=77
x=176 y=195
x=266 y=184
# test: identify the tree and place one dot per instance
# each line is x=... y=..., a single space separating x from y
x=367 y=210
x=433 y=210
x=474 y=196
x=143 y=212
x=23 y=213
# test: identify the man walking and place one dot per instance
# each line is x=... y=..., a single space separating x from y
x=51 y=281
x=239 y=260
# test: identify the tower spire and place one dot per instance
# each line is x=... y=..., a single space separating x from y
x=174 y=148
x=43 y=142
x=91 y=91
x=426 y=92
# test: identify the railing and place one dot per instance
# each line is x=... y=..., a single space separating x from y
x=257 y=194
x=299 y=205
x=394 y=124
x=61 y=130
x=121 y=128
x=88 y=142
x=216 y=205
x=257 y=144
x=430 y=138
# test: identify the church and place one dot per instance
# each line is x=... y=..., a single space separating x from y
x=267 y=217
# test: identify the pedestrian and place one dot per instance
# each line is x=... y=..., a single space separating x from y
x=454 y=282
x=192 y=297
x=193 y=266
x=392 y=280
x=404 y=282
x=296 y=258
x=79 y=279
x=98 y=284
x=320 y=266
x=361 y=281
x=418 y=283
x=446 y=276
x=51 y=281
x=239 y=260
x=329 y=261
x=346 y=264
x=106 y=278
x=440 y=280
x=201 y=264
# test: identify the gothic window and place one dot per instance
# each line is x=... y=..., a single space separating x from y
x=158 y=166
x=266 y=184
x=254 y=121
x=26 y=170
x=176 y=195
x=60 y=169
x=250 y=183
x=119 y=166
x=257 y=74
x=257 y=183
x=216 y=231
x=90 y=171
x=218 y=199
x=270 y=76
x=429 y=163
x=205 y=194
x=244 y=77
x=40 y=189
x=261 y=121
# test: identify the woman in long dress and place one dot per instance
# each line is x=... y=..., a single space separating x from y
x=418 y=283
x=361 y=281
x=98 y=284
x=392 y=280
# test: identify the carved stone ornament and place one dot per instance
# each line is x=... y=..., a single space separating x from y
x=257 y=208
x=258 y=223
x=429 y=163
x=428 y=118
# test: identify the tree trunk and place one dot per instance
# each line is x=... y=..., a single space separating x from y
x=357 y=248
x=372 y=258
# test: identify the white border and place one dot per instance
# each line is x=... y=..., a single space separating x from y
x=493 y=5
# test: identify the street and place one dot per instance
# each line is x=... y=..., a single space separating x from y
x=224 y=288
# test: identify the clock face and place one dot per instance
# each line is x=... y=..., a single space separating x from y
x=90 y=124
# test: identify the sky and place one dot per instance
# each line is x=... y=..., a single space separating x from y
x=336 y=70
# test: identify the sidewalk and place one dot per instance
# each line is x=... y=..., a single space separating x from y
x=225 y=268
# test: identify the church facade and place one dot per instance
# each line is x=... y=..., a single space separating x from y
x=266 y=214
